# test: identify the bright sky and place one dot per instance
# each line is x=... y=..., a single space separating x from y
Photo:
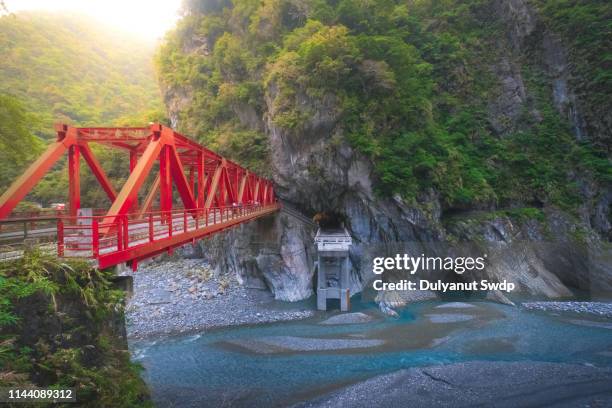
x=145 y=18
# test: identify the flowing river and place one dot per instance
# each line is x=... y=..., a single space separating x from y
x=284 y=363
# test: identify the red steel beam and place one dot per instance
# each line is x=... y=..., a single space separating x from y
x=243 y=187
x=97 y=171
x=74 y=179
x=153 y=248
x=22 y=186
x=264 y=199
x=214 y=184
x=128 y=194
x=256 y=191
x=178 y=175
x=133 y=160
x=222 y=195
x=192 y=181
x=148 y=202
x=219 y=181
x=201 y=182
x=228 y=191
x=165 y=184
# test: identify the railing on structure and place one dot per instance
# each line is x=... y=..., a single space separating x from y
x=103 y=236
x=37 y=224
x=45 y=213
x=20 y=225
x=15 y=230
x=295 y=213
x=333 y=240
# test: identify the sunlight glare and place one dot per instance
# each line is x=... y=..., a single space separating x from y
x=144 y=18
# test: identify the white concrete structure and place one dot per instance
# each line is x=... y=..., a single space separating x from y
x=333 y=267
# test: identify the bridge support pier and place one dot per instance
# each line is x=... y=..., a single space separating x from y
x=124 y=283
x=122 y=269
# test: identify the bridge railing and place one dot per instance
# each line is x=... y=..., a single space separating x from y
x=92 y=236
x=36 y=223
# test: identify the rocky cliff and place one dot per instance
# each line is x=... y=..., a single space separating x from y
x=548 y=247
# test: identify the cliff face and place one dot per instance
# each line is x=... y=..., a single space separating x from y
x=528 y=39
x=275 y=252
x=317 y=167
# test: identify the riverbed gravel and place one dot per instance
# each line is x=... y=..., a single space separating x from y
x=184 y=295
x=600 y=309
x=478 y=383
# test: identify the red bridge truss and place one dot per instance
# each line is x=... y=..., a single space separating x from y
x=216 y=194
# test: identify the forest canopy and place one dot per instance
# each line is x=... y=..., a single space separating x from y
x=75 y=70
x=412 y=83
x=70 y=68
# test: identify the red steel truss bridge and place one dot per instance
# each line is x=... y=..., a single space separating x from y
x=216 y=194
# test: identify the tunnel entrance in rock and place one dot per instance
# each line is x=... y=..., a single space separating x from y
x=329 y=220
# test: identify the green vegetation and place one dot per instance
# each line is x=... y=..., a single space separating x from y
x=61 y=323
x=19 y=147
x=411 y=84
x=68 y=68
x=17 y=144
x=54 y=186
x=71 y=69
x=56 y=330
x=586 y=25
x=222 y=85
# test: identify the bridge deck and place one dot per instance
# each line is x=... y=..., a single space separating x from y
x=114 y=241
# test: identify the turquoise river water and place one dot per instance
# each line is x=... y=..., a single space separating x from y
x=223 y=367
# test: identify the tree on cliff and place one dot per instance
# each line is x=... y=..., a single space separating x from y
x=412 y=86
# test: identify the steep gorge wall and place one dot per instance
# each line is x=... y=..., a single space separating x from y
x=531 y=42
x=316 y=169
